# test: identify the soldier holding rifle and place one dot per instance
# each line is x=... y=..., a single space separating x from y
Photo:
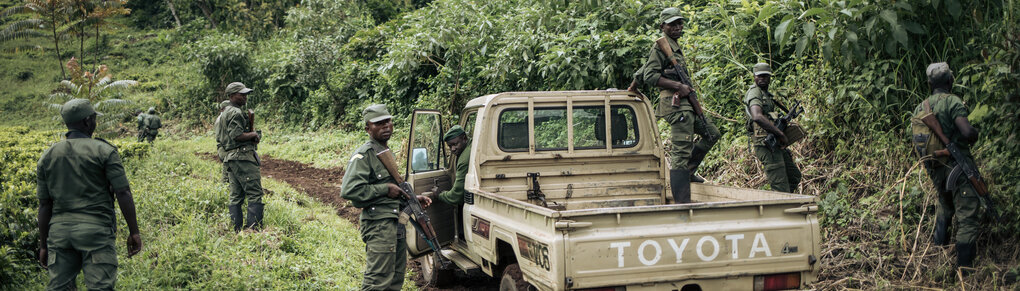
x=761 y=109
x=368 y=184
x=239 y=141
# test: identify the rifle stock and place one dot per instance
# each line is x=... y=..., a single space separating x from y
x=686 y=80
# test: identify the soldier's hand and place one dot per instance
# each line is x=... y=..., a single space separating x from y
x=782 y=140
x=394 y=191
x=43 y=256
x=683 y=90
x=424 y=200
x=134 y=244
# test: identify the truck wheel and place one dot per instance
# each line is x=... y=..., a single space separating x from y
x=432 y=271
x=513 y=279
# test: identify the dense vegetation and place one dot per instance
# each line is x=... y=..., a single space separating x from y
x=857 y=66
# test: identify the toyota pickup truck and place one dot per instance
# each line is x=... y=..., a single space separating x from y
x=568 y=190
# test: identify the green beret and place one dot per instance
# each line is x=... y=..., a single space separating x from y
x=454 y=132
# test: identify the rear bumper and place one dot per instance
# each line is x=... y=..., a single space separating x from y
x=745 y=282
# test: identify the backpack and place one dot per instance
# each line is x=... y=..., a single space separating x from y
x=922 y=139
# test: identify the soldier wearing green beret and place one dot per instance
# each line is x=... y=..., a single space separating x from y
x=760 y=108
x=241 y=160
x=460 y=146
x=152 y=123
x=686 y=154
x=368 y=185
x=952 y=114
x=77 y=222
x=220 y=152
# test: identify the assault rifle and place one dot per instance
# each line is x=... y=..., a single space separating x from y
x=782 y=123
x=418 y=217
x=684 y=78
x=964 y=165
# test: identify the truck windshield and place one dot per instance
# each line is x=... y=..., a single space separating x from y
x=551 y=128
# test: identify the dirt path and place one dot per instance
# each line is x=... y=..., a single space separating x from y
x=324 y=185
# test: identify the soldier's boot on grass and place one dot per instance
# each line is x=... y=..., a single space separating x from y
x=236 y=217
x=965 y=253
x=680 y=183
x=255 y=215
x=697 y=155
x=941 y=236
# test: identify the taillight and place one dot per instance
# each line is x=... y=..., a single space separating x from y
x=777 y=282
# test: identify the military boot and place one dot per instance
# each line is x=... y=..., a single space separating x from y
x=697 y=155
x=941 y=236
x=236 y=217
x=680 y=184
x=255 y=215
x=965 y=253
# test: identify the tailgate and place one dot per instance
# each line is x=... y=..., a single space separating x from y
x=676 y=244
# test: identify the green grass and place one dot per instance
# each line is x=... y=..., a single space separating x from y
x=182 y=212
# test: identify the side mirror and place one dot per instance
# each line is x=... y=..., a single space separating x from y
x=420 y=160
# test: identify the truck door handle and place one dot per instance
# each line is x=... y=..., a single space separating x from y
x=569 y=224
x=806 y=209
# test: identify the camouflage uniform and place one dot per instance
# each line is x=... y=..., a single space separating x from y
x=77 y=174
x=782 y=173
x=242 y=165
x=152 y=125
x=365 y=184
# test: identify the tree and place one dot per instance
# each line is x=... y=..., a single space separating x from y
x=52 y=13
x=96 y=86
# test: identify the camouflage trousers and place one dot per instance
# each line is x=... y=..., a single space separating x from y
x=963 y=202
x=386 y=254
x=782 y=173
x=245 y=182
x=684 y=127
x=81 y=247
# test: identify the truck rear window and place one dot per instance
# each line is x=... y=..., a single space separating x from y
x=589 y=125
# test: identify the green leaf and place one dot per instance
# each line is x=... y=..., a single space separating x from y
x=827 y=50
x=913 y=27
x=813 y=12
x=954 y=8
x=809 y=29
x=766 y=12
x=901 y=36
x=889 y=16
x=801 y=45
x=832 y=33
x=781 y=35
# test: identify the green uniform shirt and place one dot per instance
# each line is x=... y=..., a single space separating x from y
x=216 y=134
x=153 y=123
x=365 y=184
x=757 y=96
x=141 y=120
x=78 y=174
x=455 y=195
x=658 y=66
x=234 y=122
x=947 y=107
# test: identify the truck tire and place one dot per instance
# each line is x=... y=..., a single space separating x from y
x=513 y=279
x=432 y=271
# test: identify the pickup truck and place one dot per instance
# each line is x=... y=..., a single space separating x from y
x=568 y=190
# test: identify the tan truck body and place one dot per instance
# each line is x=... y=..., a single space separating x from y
x=608 y=219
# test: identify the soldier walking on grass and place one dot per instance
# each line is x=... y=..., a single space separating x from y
x=686 y=154
x=760 y=106
x=77 y=223
x=242 y=162
x=957 y=197
x=369 y=186
x=152 y=123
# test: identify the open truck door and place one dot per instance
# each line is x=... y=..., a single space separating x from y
x=426 y=167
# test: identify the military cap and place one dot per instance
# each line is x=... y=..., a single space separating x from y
x=376 y=113
x=762 y=69
x=671 y=14
x=223 y=104
x=453 y=132
x=237 y=87
x=76 y=109
x=152 y=110
x=939 y=73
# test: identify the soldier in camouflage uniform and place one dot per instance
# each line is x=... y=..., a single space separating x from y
x=369 y=186
x=140 y=119
x=952 y=116
x=220 y=152
x=77 y=223
x=152 y=124
x=241 y=160
x=686 y=154
x=760 y=107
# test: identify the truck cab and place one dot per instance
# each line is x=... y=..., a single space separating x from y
x=568 y=190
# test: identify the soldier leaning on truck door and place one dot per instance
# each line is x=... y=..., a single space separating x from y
x=367 y=185
x=760 y=107
x=685 y=154
x=460 y=146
